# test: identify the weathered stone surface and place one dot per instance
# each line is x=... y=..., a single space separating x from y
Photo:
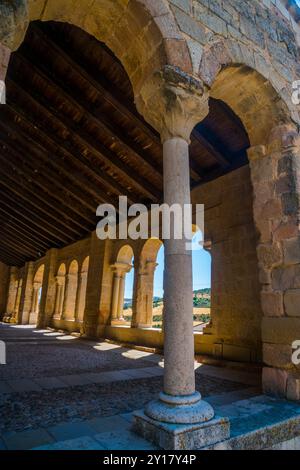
x=181 y=437
x=269 y=255
x=292 y=302
x=291 y=250
x=280 y=330
x=274 y=381
x=277 y=355
x=293 y=387
x=272 y=304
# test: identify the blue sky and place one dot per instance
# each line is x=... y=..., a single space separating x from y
x=201 y=272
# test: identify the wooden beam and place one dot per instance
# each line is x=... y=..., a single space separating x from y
x=16 y=179
x=51 y=179
x=33 y=219
x=76 y=176
x=211 y=149
x=96 y=147
x=74 y=156
x=18 y=224
x=101 y=85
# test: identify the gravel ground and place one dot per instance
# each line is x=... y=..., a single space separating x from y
x=31 y=355
x=51 y=360
x=21 y=411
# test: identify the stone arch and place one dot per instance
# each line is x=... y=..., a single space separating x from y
x=144 y=284
x=36 y=294
x=125 y=254
x=248 y=86
x=120 y=268
x=81 y=291
x=143 y=34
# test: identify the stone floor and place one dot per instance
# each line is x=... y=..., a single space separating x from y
x=60 y=392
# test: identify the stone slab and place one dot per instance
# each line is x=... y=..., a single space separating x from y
x=23 y=385
x=69 y=430
x=27 y=439
x=50 y=383
x=125 y=440
x=5 y=388
x=109 y=423
x=80 y=443
x=181 y=436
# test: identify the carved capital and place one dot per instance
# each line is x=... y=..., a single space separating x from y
x=173 y=102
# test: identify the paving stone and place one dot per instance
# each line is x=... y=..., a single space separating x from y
x=137 y=373
x=154 y=371
x=23 y=385
x=81 y=443
x=110 y=423
x=5 y=388
x=27 y=439
x=74 y=380
x=50 y=383
x=2 y=445
x=70 y=430
x=124 y=440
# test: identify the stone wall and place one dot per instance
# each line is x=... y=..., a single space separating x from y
x=235 y=332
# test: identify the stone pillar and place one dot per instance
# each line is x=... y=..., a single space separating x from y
x=35 y=303
x=275 y=174
x=12 y=293
x=180 y=105
x=81 y=294
x=69 y=303
x=26 y=294
x=98 y=290
x=15 y=316
x=59 y=297
x=47 y=300
x=144 y=295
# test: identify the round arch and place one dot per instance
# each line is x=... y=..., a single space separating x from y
x=253 y=89
x=38 y=277
x=141 y=33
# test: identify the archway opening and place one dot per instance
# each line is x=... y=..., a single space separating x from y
x=122 y=292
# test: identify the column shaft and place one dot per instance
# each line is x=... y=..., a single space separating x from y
x=179 y=378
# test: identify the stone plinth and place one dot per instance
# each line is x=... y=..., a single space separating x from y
x=181 y=436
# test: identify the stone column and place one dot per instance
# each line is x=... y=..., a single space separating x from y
x=121 y=296
x=175 y=103
x=115 y=295
x=120 y=270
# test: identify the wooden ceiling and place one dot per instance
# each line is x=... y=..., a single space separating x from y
x=71 y=138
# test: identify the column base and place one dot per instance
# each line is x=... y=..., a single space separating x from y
x=187 y=409
x=181 y=436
